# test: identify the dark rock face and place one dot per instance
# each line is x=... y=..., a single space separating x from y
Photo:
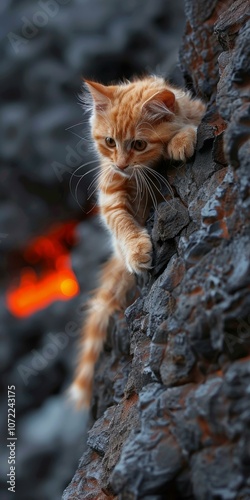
x=180 y=429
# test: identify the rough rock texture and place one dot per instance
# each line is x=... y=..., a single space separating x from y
x=171 y=398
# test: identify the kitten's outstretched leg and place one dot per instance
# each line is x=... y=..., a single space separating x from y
x=132 y=239
x=116 y=282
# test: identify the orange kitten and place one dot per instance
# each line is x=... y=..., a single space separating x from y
x=133 y=125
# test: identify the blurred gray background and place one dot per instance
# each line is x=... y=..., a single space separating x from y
x=46 y=48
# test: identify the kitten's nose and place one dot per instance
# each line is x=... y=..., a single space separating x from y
x=122 y=166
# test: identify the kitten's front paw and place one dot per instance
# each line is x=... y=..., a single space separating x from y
x=139 y=254
x=182 y=144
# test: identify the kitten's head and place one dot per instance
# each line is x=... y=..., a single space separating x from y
x=132 y=122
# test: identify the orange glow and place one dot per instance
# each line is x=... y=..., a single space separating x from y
x=69 y=287
x=54 y=280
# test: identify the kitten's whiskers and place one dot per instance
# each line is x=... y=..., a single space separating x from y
x=138 y=193
x=84 y=165
x=81 y=176
x=161 y=179
x=148 y=187
x=143 y=192
x=74 y=174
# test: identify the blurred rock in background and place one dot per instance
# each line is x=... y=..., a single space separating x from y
x=46 y=47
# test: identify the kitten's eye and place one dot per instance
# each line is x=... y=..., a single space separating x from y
x=110 y=142
x=139 y=145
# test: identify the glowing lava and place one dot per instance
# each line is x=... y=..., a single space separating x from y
x=54 y=280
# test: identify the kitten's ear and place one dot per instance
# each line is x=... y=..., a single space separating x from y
x=101 y=94
x=161 y=105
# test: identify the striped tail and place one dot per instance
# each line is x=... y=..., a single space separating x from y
x=116 y=282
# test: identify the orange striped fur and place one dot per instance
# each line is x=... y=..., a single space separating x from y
x=134 y=125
